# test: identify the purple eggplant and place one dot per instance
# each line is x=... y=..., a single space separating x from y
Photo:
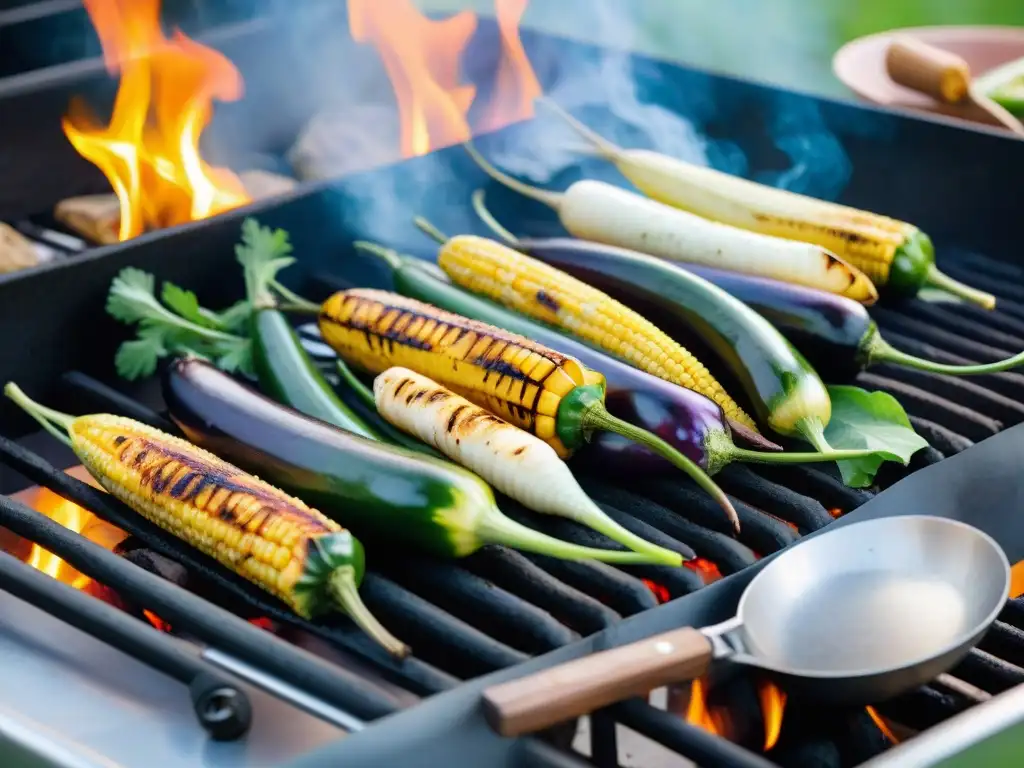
x=688 y=421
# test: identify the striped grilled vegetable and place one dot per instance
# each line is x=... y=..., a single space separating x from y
x=603 y=213
x=837 y=335
x=490 y=269
x=275 y=541
x=512 y=460
x=377 y=490
x=892 y=253
x=550 y=395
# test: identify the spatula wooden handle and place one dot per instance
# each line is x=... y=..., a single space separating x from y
x=927 y=69
x=561 y=693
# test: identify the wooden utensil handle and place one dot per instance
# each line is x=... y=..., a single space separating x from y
x=925 y=68
x=554 y=695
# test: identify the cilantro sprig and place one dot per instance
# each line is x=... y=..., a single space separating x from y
x=132 y=300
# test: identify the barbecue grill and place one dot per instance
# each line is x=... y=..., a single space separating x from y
x=499 y=614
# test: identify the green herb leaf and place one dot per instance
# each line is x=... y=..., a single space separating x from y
x=132 y=296
x=262 y=253
x=234 y=317
x=873 y=420
x=185 y=303
x=236 y=358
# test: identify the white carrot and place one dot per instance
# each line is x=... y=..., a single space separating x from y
x=521 y=466
x=604 y=213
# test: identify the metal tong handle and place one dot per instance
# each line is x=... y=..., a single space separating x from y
x=929 y=70
x=577 y=687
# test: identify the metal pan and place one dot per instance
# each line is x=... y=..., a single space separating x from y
x=854 y=616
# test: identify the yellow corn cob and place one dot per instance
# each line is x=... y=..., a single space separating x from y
x=541 y=291
x=256 y=530
x=513 y=377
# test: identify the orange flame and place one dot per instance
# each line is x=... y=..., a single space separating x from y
x=421 y=58
x=882 y=725
x=516 y=87
x=698 y=713
x=150 y=149
x=773 y=703
x=1017 y=580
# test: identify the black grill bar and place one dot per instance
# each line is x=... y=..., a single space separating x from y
x=226 y=632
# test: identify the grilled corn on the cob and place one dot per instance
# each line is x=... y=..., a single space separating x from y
x=538 y=290
x=548 y=394
x=515 y=462
x=890 y=252
x=261 y=533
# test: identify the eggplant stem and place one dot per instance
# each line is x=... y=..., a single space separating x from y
x=430 y=230
x=387 y=255
x=597 y=417
x=50 y=420
x=488 y=218
x=495 y=528
x=797 y=457
x=341 y=586
x=937 y=279
x=878 y=350
x=547 y=197
x=304 y=308
x=813 y=431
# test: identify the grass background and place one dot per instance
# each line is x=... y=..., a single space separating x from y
x=787 y=42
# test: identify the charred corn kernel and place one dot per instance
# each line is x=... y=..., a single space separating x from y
x=543 y=292
x=513 y=377
x=249 y=526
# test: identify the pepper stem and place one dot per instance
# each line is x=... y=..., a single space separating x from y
x=595 y=416
x=551 y=199
x=813 y=431
x=341 y=586
x=878 y=350
x=495 y=528
x=387 y=255
x=597 y=520
x=362 y=391
x=430 y=230
x=488 y=218
x=48 y=418
x=937 y=279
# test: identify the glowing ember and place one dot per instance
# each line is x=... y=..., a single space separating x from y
x=150 y=149
x=156 y=621
x=660 y=591
x=773 y=703
x=836 y=512
x=882 y=725
x=263 y=623
x=1017 y=580
x=707 y=569
x=421 y=58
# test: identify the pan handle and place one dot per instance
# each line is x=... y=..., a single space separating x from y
x=577 y=687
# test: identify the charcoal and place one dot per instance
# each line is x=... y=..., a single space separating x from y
x=477 y=601
x=1013 y=612
x=946 y=441
x=805 y=513
x=93 y=217
x=435 y=636
x=997 y=318
x=621 y=592
x=678 y=581
x=821 y=481
x=939 y=320
x=988 y=672
x=976 y=351
x=1005 y=641
x=164 y=567
x=1010 y=383
x=762 y=533
x=511 y=571
x=960 y=390
x=997 y=286
x=859 y=738
x=16 y=252
x=979 y=261
x=728 y=554
x=923 y=707
x=647 y=531
x=812 y=753
x=921 y=403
